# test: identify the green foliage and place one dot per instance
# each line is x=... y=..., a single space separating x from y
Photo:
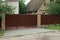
x=53 y=8
x=4 y=7
x=21 y=6
x=1 y=32
x=7 y=9
x=58 y=1
x=54 y=27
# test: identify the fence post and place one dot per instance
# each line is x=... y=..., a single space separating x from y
x=38 y=20
x=3 y=21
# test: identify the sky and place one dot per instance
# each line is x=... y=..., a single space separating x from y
x=27 y=1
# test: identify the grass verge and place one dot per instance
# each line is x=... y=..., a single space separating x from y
x=54 y=27
x=1 y=32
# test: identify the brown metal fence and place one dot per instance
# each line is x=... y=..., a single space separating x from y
x=30 y=20
x=50 y=19
x=20 y=20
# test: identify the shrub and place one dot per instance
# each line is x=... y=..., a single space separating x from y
x=22 y=6
x=53 y=8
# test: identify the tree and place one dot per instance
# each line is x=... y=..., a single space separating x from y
x=4 y=7
x=21 y=6
x=53 y=8
x=58 y=1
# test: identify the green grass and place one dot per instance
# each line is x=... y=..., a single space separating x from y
x=1 y=32
x=54 y=27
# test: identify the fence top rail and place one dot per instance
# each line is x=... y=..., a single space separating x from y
x=33 y=14
x=26 y=14
x=19 y=14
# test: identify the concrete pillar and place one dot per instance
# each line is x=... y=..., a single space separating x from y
x=38 y=20
x=3 y=21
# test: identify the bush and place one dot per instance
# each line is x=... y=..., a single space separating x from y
x=53 y=8
x=22 y=6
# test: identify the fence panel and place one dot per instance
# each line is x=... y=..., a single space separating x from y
x=50 y=19
x=20 y=20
